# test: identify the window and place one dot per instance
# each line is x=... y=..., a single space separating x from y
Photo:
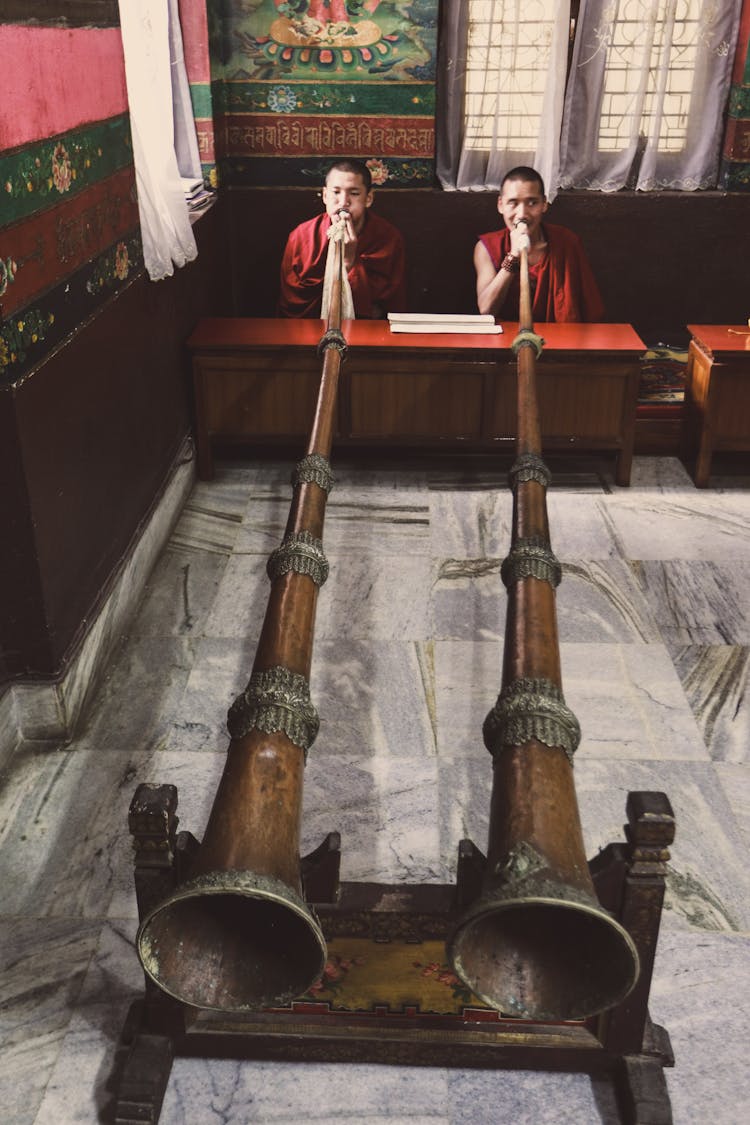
x=602 y=94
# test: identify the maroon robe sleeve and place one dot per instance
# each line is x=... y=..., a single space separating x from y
x=303 y=268
x=377 y=277
x=574 y=291
x=566 y=289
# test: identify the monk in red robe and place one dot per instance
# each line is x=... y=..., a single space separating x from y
x=562 y=282
x=373 y=251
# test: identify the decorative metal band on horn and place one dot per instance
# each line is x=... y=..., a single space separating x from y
x=529 y=466
x=314 y=469
x=531 y=558
x=526 y=338
x=531 y=710
x=332 y=338
x=276 y=700
x=301 y=552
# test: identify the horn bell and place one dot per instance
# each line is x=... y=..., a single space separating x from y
x=546 y=952
x=232 y=941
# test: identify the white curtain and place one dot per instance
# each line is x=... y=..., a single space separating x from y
x=511 y=41
x=185 y=136
x=647 y=93
x=167 y=235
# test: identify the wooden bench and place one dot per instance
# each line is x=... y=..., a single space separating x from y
x=717 y=395
x=255 y=384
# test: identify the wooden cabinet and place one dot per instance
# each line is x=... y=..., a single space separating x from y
x=255 y=382
x=717 y=395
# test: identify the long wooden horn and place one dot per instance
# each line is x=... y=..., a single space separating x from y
x=536 y=943
x=237 y=933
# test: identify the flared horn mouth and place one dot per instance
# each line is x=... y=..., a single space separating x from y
x=232 y=941
x=544 y=958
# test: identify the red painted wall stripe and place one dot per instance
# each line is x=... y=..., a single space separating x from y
x=57 y=241
x=55 y=79
x=194 y=24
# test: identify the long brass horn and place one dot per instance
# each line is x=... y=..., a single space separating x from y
x=536 y=943
x=237 y=933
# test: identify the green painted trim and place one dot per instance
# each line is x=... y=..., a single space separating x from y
x=279 y=171
x=735 y=176
x=387 y=99
x=739 y=101
x=55 y=169
x=202 y=101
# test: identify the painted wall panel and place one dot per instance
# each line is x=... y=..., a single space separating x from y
x=310 y=81
x=55 y=79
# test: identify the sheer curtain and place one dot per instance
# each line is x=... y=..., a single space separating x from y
x=503 y=67
x=646 y=95
x=167 y=235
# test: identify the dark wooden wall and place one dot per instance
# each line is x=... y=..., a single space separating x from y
x=662 y=260
x=87 y=441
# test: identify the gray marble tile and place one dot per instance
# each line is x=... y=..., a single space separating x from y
x=220 y=672
x=377 y=521
x=385 y=598
x=580 y=527
x=735 y=782
x=601 y=601
x=140 y=694
x=468 y=523
x=627 y=698
x=180 y=593
x=700 y=996
x=64 y=831
x=385 y=810
x=365 y=596
x=10 y=735
x=630 y=703
x=598 y=601
x=375 y=698
x=353 y=477
x=42 y=969
x=708 y=883
x=468 y=600
x=716 y=679
x=659 y=474
x=698 y=526
x=239 y=606
x=698 y=603
x=80 y=1085
x=476 y=1096
x=235 y=1093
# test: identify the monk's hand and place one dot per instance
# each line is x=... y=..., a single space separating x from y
x=349 y=238
x=519 y=238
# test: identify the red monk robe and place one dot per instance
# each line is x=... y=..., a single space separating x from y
x=563 y=284
x=376 y=278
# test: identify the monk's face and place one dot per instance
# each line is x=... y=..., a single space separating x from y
x=522 y=200
x=346 y=191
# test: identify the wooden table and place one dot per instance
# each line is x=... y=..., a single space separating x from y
x=256 y=382
x=717 y=394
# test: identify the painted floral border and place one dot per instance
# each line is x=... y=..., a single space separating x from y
x=38 y=175
x=28 y=336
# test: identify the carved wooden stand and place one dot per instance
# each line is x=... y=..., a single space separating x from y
x=386 y=934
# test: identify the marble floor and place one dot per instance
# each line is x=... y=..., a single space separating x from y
x=654 y=622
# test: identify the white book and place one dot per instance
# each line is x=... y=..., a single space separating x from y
x=449 y=327
x=440 y=318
